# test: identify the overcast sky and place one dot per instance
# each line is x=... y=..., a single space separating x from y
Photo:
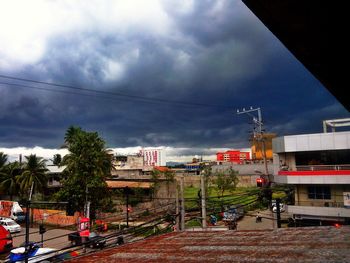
x=149 y=73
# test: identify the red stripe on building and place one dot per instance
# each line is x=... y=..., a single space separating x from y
x=316 y=173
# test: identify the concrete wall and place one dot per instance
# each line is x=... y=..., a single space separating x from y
x=53 y=217
x=247 y=174
x=127 y=173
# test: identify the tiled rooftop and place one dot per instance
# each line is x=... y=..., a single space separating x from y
x=316 y=244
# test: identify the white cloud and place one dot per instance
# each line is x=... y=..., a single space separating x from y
x=172 y=154
x=181 y=6
x=27 y=26
x=14 y=153
x=114 y=70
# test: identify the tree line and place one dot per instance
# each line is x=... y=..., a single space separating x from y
x=87 y=166
x=16 y=178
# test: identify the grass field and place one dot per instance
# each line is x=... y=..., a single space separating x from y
x=216 y=202
x=245 y=196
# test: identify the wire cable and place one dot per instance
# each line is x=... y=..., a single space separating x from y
x=118 y=94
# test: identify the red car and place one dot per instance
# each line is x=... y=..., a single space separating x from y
x=5 y=240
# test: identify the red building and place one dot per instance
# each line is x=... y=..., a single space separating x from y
x=233 y=156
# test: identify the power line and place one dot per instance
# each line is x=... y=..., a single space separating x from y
x=117 y=94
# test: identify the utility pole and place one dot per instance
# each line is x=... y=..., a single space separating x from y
x=126 y=190
x=278 y=212
x=257 y=132
x=27 y=223
x=182 y=204
x=177 y=217
x=204 y=209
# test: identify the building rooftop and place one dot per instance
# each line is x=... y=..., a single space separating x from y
x=314 y=244
x=55 y=168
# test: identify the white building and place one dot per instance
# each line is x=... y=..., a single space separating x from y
x=318 y=165
x=154 y=157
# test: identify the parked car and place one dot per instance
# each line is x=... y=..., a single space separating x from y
x=96 y=241
x=5 y=240
x=10 y=225
x=274 y=208
x=93 y=240
x=11 y=209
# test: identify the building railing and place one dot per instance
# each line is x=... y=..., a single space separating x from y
x=320 y=203
x=323 y=167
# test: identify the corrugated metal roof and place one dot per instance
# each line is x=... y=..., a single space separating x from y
x=55 y=169
x=316 y=244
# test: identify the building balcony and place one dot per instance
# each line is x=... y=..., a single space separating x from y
x=315 y=174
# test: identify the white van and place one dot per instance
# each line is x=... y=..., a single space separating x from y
x=10 y=225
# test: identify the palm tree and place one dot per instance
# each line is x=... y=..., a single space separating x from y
x=71 y=134
x=88 y=164
x=33 y=172
x=57 y=159
x=9 y=179
x=3 y=159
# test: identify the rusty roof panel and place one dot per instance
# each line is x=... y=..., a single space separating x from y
x=316 y=244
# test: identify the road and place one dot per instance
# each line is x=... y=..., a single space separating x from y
x=58 y=236
x=248 y=221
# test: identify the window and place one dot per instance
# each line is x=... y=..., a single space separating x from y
x=319 y=192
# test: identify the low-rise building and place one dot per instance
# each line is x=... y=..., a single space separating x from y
x=257 y=147
x=318 y=166
x=234 y=156
x=130 y=167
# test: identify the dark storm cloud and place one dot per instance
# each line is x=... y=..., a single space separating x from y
x=213 y=22
x=215 y=54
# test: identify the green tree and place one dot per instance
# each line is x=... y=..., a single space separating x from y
x=87 y=167
x=57 y=159
x=155 y=177
x=34 y=171
x=9 y=184
x=169 y=176
x=3 y=160
x=226 y=181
